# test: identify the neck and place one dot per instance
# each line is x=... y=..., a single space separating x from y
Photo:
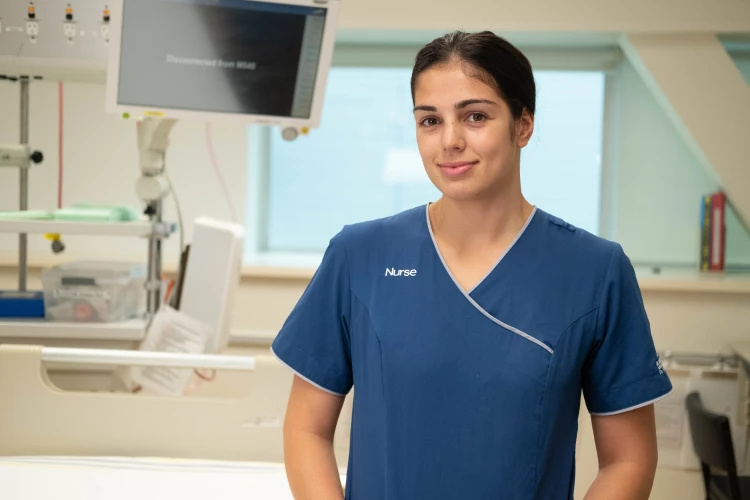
x=481 y=221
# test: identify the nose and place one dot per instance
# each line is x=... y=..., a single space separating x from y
x=453 y=137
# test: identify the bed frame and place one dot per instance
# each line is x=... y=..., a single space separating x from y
x=39 y=419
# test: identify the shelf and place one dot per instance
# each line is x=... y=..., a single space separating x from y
x=742 y=350
x=140 y=228
x=133 y=330
x=692 y=280
x=281 y=265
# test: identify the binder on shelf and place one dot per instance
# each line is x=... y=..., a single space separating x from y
x=705 y=224
x=718 y=231
x=713 y=232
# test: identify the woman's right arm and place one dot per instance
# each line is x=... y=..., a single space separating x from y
x=309 y=427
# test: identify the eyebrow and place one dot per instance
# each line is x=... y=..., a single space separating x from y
x=469 y=102
x=459 y=105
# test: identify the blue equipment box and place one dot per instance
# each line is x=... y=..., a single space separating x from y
x=14 y=304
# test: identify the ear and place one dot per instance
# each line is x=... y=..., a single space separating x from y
x=524 y=128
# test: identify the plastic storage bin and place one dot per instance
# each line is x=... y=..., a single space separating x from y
x=97 y=292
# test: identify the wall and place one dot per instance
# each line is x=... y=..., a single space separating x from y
x=697 y=83
x=743 y=64
x=738 y=247
x=659 y=181
x=544 y=15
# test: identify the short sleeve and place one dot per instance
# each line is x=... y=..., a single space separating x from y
x=314 y=340
x=623 y=371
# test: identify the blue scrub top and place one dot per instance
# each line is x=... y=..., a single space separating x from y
x=471 y=394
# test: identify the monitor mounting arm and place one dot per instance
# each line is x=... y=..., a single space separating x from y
x=153 y=140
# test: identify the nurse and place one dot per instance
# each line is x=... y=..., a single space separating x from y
x=470 y=327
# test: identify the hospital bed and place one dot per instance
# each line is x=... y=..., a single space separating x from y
x=57 y=444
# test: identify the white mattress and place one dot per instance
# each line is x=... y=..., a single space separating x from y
x=117 y=478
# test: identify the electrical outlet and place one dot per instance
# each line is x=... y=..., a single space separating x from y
x=104 y=32
x=32 y=28
x=69 y=30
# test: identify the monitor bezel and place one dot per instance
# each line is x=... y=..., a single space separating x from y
x=139 y=112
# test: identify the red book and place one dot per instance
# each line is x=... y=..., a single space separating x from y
x=718 y=231
x=705 y=226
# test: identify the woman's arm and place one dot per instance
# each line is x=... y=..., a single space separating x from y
x=626 y=447
x=309 y=426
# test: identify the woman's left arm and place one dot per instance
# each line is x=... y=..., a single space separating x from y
x=626 y=448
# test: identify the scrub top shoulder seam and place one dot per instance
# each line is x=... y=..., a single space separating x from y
x=471 y=300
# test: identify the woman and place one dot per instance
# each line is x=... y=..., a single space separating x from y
x=470 y=327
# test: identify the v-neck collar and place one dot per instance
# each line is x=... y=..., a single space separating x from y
x=497 y=263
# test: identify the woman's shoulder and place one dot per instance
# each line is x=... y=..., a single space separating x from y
x=566 y=239
x=396 y=228
x=372 y=245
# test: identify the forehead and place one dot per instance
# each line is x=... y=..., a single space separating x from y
x=451 y=83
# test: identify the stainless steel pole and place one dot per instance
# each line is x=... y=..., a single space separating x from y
x=24 y=187
x=155 y=262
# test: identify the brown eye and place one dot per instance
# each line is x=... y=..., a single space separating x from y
x=429 y=121
x=477 y=117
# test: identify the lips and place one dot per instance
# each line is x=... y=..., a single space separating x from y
x=456 y=168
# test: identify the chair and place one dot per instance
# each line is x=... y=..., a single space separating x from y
x=712 y=442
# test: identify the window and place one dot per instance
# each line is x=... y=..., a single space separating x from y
x=561 y=167
x=363 y=162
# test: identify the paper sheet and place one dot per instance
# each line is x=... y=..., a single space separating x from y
x=170 y=331
x=671 y=423
x=719 y=394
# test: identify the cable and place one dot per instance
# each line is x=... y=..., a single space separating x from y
x=180 y=224
x=60 y=144
x=206 y=378
x=215 y=165
x=181 y=228
x=170 y=291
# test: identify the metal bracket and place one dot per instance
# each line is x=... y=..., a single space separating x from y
x=162 y=230
x=152 y=286
x=19 y=156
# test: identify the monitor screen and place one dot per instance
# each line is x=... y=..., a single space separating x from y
x=221 y=56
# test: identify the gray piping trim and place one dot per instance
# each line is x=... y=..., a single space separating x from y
x=305 y=378
x=471 y=300
x=617 y=412
x=518 y=236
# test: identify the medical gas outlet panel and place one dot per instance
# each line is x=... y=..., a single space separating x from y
x=44 y=35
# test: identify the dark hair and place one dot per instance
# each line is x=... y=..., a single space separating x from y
x=491 y=58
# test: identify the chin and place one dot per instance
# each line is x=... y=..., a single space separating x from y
x=460 y=191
